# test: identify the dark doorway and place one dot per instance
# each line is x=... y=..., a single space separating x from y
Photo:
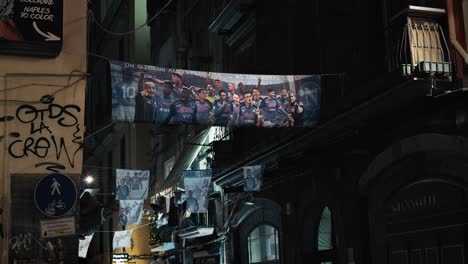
x=426 y=223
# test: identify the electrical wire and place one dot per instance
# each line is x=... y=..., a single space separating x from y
x=33 y=84
x=43 y=84
x=98 y=56
x=62 y=87
x=94 y=133
x=113 y=168
x=226 y=224
x=140 y=226
x=93 y=18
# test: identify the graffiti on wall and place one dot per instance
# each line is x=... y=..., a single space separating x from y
x=54 y=150
x=25 y=242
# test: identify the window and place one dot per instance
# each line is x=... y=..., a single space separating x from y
x=325 y=237
x=263 y=244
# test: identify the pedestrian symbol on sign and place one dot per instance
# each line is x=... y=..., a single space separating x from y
x=55 y=187
x=55 y=195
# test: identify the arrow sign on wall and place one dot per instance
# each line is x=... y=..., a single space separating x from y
x=49 y=36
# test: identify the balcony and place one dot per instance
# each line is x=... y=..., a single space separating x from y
x=418 y=45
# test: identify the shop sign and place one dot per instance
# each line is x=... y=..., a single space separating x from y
x=120 y=258
x=31 y=27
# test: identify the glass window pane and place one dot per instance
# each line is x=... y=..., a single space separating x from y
x=254 y=250
x=272 y=244
x=325 y=231
x=263 y=244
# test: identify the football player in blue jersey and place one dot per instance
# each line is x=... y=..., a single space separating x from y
x=144 y=102
x=163 y=104
x=217 y=83
x=296 y=110
x=184 y=110
x=231 y=92
x=235 y=110
x=222 y=110
x=241 y=89
x=248 y=114
x=269 y=107
x=256 y=99
x=284 y=99
x=177 y=85
x=204 y=108
x=210 y=94
x=250 y=183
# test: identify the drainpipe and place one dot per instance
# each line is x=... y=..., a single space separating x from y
x=451 y=23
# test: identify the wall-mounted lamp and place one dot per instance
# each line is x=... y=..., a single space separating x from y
x=89 y=179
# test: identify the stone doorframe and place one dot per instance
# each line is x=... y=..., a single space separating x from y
x=425 y=156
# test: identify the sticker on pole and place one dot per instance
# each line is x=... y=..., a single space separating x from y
x=58 y=227
x=55 y=195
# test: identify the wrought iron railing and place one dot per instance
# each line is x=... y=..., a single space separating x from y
x=421 y=50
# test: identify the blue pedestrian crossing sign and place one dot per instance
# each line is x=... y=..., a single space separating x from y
x=55 y=195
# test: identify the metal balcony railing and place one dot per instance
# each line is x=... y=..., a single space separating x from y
x=422 y=50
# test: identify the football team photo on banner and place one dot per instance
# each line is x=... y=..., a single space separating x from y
x=197 y=187
x=130 y=212
x=131 y=184
x=122 y=239
x=163 y=96
x=83 y=246
x=253 y=178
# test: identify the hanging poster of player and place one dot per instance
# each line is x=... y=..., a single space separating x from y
x=143 y=93
x=122 y=239
x=253 y=178
x=84 y=245
x=130 y=212
x=131 y=184
x=197 y=187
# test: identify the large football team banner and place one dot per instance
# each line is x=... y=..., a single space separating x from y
x=150 y=94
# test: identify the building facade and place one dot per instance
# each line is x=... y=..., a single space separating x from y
x=42 y=93
x=381 y=178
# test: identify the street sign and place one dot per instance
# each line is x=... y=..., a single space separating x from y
x=31 y=27
x=120 y=258
x=58 y=227
x=55 y=195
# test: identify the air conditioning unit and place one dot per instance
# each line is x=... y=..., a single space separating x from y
x=196 y=232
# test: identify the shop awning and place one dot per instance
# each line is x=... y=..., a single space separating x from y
x=196 y=232
x=164 y=247
x=184 y=160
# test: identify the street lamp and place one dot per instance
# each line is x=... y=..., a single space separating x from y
x=89 y=179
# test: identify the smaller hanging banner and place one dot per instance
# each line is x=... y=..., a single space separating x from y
x=253 y=178
x=84 y=245
x=131 y=184
x=179 y=198
x=162 y=220
x=130 y=212
x=122 y=239
x=197 y=187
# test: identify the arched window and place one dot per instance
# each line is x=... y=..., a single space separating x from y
x=325 y=238
x=263 y=244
